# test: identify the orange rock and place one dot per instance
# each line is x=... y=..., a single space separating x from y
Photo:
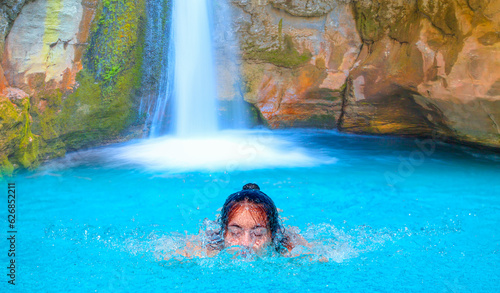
x=3 y=81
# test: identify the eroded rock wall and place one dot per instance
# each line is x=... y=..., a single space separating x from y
x=412 y=67
x=9 y=10
x=296 y=58
x=70 y=74
x=439 y=58
x=39 y=58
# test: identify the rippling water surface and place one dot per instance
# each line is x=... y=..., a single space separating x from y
x=387 y=214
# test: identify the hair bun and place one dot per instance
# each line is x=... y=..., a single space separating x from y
x=251 y=186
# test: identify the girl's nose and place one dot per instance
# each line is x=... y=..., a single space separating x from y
x=246 y=239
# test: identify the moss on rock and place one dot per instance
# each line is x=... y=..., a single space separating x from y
x=285 y=56
x=98 y=108
x=18 y=145
x=102 y=105
x=27 y=150
x=6 y=167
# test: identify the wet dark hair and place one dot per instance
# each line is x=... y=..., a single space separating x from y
x=251 y=194
x=251 y=186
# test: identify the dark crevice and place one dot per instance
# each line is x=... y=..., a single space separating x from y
x=359 y=54
x=344 y=95
x=470 y=6
x=398 y=41
x=420 y=12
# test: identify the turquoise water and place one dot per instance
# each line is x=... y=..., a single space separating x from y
x=387 y=216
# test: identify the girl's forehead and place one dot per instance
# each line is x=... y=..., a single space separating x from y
x=248 y=214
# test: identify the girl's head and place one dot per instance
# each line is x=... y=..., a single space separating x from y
x=249 y=218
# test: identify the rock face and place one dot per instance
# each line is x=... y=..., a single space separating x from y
x=416 y=67
x=427 y=66
x=297 y=56
x=47 y=40
x=9 y=10
x=69 y=77
x=40 y=57
x=304 y=8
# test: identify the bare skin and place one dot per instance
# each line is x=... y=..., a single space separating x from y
x=247 y=229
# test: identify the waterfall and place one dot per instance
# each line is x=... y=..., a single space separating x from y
x=180 y=61
x=194 y=90
x=228 y=63
x=156 y=75
x=185 y=99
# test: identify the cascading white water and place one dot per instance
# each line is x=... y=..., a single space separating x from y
x=154 y=102
x=188 y=90
x=188 y=44
x=194 y=82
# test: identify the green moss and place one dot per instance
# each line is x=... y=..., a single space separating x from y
x=367 y=21
x=280 y=33
x=256 y=116
x=17 y=142
x=45 y=121
x=10 y=122
x=26 y=152
x=6 y=168
x=115 y=37
x=368 y=27
x=286 y=57
x=103 y=104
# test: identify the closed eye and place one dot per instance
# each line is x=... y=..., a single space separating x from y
x=259 y=232
x=235 y=231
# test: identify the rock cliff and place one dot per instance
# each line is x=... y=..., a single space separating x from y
x=413 y=67
x=70 y=74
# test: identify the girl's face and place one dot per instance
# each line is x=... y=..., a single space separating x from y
x=247 y=227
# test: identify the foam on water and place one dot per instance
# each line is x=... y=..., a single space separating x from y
x=227 y=151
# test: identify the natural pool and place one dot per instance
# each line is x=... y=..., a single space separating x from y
x=92 y=223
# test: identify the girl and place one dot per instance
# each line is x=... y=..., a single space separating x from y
x=249 y=219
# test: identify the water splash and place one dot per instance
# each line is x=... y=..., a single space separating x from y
x=327 y=243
